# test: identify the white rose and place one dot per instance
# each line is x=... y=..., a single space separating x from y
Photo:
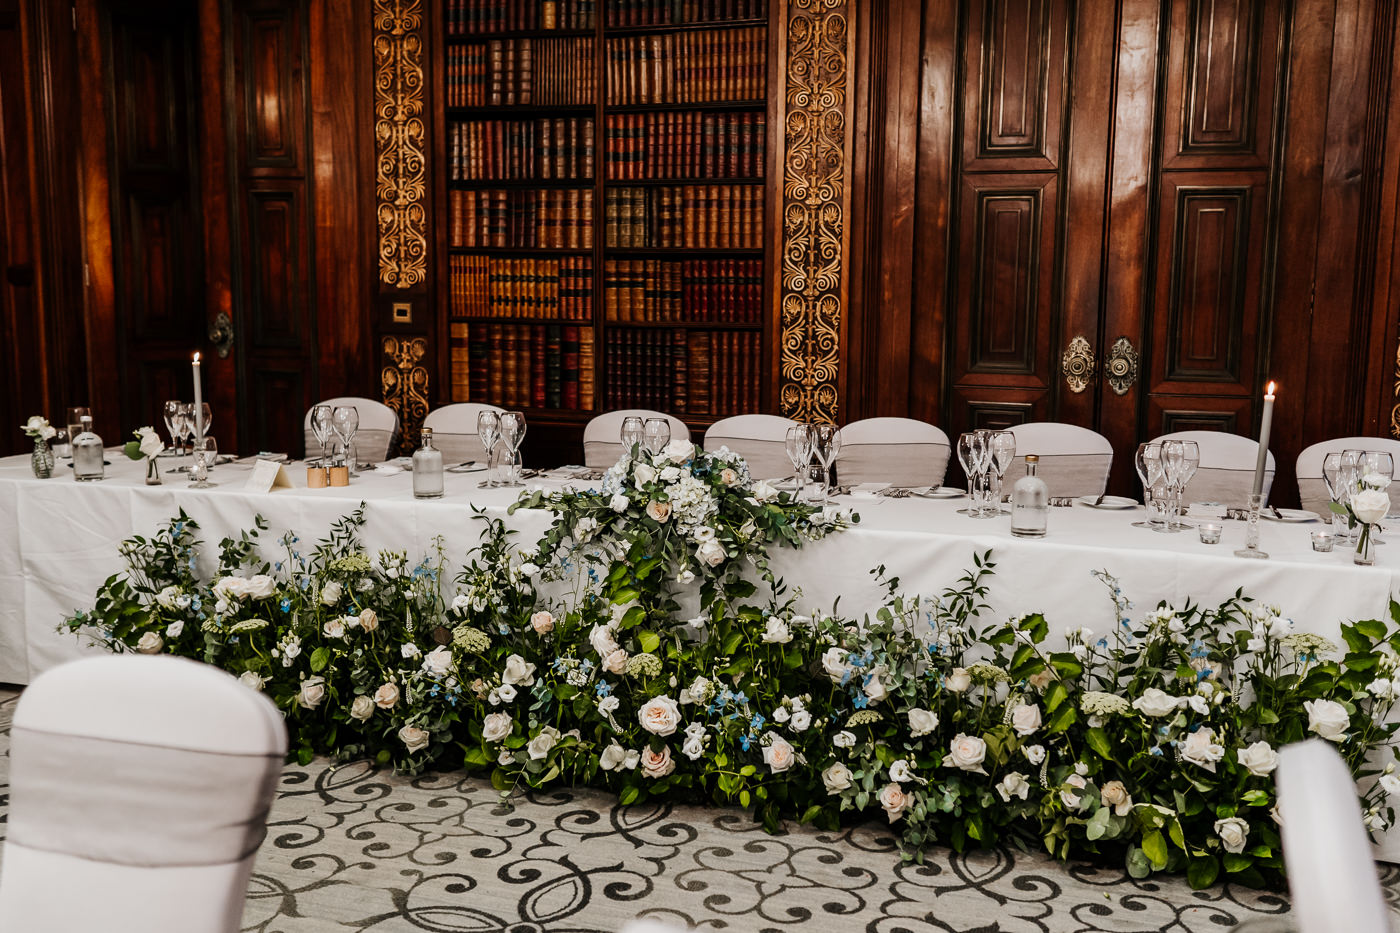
x=438 y=661
x=966 y=752
x=619 y=502
x=251 y=680
x=1199 y=704
x=711 y=552
x=958 y=681
x=843 y=739
x=779 y=755
x=151 y=444
x=518 y=671
x=368 y=620
x=1025 y=719
x=541 y=744
x=334 y=628
x=685 y=577
x=1259 y=758
x=834 y=663
x=608 y=705
x=1035 y=754
x=496 y=726
x=658 y=511
x=414 y=738
x=362 y=708
x=312 y=692
x=763 y=491
x=836 y=778
x=644 y=473
x=874 y=689
x=150 y=643
x=1369 y=505
x=1013 y=785
x=893 y=800
x=602 y=640
x=410 y=651
x=291 y=650
x=1154 y=702
x=260 y=586
x=1201 y=749
x=166 y=597
x=542 y=622
x=660 y=715
x=678 y=451
x=900 y=772
x=699 y=691
x=174 y=629
x=922 y=722
x=777 y=632
x=657 y=765
x=693 y=747
x=801 y=720
x=631 y=759
x=1068 y=796
x=1233 y=833
x=529 y=569
x=612 y=756
x=386 y=696
x=1390 y=783
x=616 y=663
x=1115 y=795
x=1327 y=718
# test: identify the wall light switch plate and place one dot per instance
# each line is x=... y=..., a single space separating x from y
x=403 y=312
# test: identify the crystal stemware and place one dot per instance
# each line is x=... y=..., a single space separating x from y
x=970 y=458
x=1148 y=461
x=171 y=412
x=1172 y=457
x=631 y=434
x=488 y=430
x=346 y=419
x=826 y=443
x=322 y=425
x=656 y=434
x=512 y=434
x=1190 y=462
x=799 y=451
x=1003 y=453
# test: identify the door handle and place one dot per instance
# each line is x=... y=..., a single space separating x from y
x=1077 y=364
x=221 y=334
x=1121 y=367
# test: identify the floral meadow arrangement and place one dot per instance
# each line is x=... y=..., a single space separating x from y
x=643 y=645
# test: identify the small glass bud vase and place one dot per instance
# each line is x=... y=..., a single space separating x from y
x=41 y=461
x=152 y=472
x=1365 y=546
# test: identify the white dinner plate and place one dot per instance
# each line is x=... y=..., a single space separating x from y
x=1109 y=502
x=942 y=492
x=1289 y=515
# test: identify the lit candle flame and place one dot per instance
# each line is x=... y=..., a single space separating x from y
x=1271 y=385
x=1270 y=391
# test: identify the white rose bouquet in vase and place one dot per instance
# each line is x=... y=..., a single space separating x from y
x=38 y=429
x=147 y=446
x=1366 y=507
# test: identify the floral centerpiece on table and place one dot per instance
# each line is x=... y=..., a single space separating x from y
x=147 y=447
x=1366 y=507
x=38 y=429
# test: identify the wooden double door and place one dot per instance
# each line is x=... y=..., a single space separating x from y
x=1121 y=215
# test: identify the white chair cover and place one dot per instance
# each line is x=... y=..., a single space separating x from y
x=899 y=451
x=454 y=431
x=1226 y=473
x=1331 y=872
x=1312 y=490
x=602 y=446
x=139 y=793
x=1074 y=461
x=760 y=439
x=378 y=432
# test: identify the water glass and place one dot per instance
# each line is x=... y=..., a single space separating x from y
x=799 y=451
x=1148 y=461
x=512 y=434
x=346 y=420
x=488 y=430
x=171 y=412
x=826 y=443
x=1001 y=455
x=656 y=434
x=323 y=426
x=633 y=429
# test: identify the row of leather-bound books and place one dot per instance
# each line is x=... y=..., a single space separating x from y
x=473 y=17
x=671 y=12
x=521 y=150
x=684 y=216
x=689 y=291
x=511 y=286
x=523 y=365
x=695 y=66
x=686 y=144
x=686 y=372
x=524 y=72
x=521 y=218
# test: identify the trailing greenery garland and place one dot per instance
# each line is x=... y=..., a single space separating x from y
x=575 y=662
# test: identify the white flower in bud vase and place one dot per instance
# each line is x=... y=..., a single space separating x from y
x=967 y=752
x=331 y=593
x=414 y=738
x=1259 y=759
x=496 y=727
x=150 y=643
x=38 y=426
x=1013 y=784
x=312 y=692
x=362 y=708
x=149 y=442
x=1201 y=749
x=893 y=800
x=1328 y=718
x=387 y=696
x=1370 y=505
x=657 y=765
x=659 y=715
x=836 y=778
x=776 y=632
x=1233 y=833
x=1025 y=719
x=540 y=745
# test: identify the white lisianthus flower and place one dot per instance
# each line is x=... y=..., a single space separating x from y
x=900 y=771
x=174 y=629
x=659 y=715
x=150 y=442
x=1025 y=719
x=1014 y=784
x=362 y=708
x=496 y=726
x=693 y=747
x=1259 y=759
x=541 y=744
x=1201 y=749
x=921 y=722
x=603 y=640
x=967 y=752
x=801 y=720
x=1233 y=833
x=1327 y=718
x=1199 y=704
x=777 y=632
x=506 y=693
x=1390 y=783
x=1155 y=703
x=677 y=451
x=166 y=597
x=1035 y=754
x=410 y=651
x=685 y=577
x=836 y=778
x=699 y=691
x=843 y=739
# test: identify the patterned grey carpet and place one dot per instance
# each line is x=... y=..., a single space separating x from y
x=356 y=849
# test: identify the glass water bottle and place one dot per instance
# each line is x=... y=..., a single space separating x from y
x=427 y=469
x=1030 y=503
x=87 y=453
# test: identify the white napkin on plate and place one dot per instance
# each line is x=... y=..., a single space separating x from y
x=1205 y=510
x=388 y=466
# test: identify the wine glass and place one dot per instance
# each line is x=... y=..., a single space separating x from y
x=1380 y=463
x=826 y=442
x=171 y=412
x=1190 y=462
x=512 y=434
x=970 y=458
x=1172 y=456
x=488 y=429
x=186 y=425
x=799 y=451
x=1002 y=453
x=205 y=453
x=322 y=424
x=656 y=434
x=208 y=414
x=1148 y=461
x=633 y=429
x=346 y=419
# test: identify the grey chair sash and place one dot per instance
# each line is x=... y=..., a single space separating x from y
x=135 y=804
x=459 y=448
x=1313 y=493
x=1229 y=487
x=599 y=455
x=1071 y=475
x=371 y=445
x=914 y=464
x=766 y=459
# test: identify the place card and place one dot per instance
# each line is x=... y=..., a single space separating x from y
x=267 y=476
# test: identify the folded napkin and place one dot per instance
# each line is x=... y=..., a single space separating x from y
x=1205 y=510
x=388 y=466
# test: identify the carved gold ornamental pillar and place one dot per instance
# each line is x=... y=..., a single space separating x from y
x=814 y=207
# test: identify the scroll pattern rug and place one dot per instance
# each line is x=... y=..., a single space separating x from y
x=356 y=848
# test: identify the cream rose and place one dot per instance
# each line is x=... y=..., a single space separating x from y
x=893 y=800
x=836 y=778
x=711 y=553
x=958 y=681
x=967 y=752
x=658 y=511
x=660 y=715
x=657 y=764
x=1260 y=759
x=616 y=662
x=542 y=622
x=1201 y=749
x=331 y=593
x=921 y=722
x=1115 y=795
x=312 y=692
x=518 y=672
x=1156 y=703
x=1068 y=795
x=1025 y=719
x=776 y=632
x=362 y=708
x=368 y=620
x=1041 y=679
x=541 y=744
x=251 y=680
x=387 y=696
x=603 y=640
x=334 y=628
x=150 y=643
x=644 y=473
x=414 y=738
x=1370 y=505
x=496 y=726
x=834 y=663
x=1233 y=833
x=1013 y=785
x=1327 y=718
x=438 y=661
x=728 y=477
x=779 y=755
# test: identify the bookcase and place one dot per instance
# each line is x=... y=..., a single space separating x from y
x=604 y=192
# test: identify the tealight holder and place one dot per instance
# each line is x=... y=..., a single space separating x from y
x=1210 y=532
x=1323 y=541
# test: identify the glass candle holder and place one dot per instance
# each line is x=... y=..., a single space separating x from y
x=1323 y=541
x=1210 y=532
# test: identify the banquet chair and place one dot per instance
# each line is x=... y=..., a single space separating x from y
x=1074 y=461
x=139 y=793
x=602 y=446
x=377 y=435
x=454 y=431
x=899 y=451
x=1226 y=471
x=1331 y=872
x=1312 y=490
x=760 y=439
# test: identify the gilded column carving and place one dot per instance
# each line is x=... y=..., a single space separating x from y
x=399 y=137
x=403 y=383
x=1395 y=410
x=815 y=200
